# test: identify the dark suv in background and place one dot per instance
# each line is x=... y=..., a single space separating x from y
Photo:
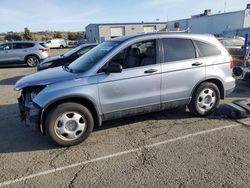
x=65 y=59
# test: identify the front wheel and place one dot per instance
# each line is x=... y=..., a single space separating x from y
x=69 y=124
x=205 y=99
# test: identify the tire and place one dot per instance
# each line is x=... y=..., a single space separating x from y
x=61 y=47
x=69 y=124
x=32 y=61
x=205 y=99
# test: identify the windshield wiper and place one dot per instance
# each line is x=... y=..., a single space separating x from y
x=66 y=67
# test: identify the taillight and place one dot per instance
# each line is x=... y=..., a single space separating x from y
x=43 y=49
x=231 y=62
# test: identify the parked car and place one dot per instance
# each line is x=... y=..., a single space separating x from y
x=127 y=76
x=30 y=53
x=72 y=44
x=56 y=43
x=235 y=46
x=65 y=59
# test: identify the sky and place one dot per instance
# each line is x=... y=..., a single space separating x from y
x=74 y=15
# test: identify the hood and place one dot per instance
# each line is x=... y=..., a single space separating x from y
x=44 y=78
x=52 y=59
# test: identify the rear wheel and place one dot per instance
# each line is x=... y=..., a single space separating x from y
x=32 y=61
x=205 y=99
x=61 y=46
x=69 y=124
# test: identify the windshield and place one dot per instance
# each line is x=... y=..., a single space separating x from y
x=69 y=53
x=92 y=57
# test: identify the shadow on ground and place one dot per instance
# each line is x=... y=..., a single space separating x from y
x=13 y=66
x=16 y=137
x=10 y=81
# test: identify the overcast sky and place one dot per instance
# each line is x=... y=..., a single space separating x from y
x=74 y=15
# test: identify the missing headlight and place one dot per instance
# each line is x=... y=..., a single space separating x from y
x=30 y=93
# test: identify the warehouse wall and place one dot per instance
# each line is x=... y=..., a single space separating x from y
x=217 y=24
x=183 y=24
x=104 y=30
x=92 y=33
x=247 y=19
x=214 y=24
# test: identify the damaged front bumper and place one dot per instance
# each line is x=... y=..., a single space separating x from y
x=29 y=112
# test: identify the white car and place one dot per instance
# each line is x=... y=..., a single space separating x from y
x=56 y=43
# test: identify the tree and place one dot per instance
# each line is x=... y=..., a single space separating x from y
x=75 y=35
x=58 y=35
x=12 y=37
x=45 y=38
x=27 y=34
x=72 y=36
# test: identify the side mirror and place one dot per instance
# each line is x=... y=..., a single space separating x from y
x=237 y=71
x=113 y=68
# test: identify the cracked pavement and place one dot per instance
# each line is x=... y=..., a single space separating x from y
x=216 y=159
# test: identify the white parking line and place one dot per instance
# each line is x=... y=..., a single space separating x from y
x=115 y=155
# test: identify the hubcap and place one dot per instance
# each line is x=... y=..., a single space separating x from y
x=70 y=126
x=32 y=61
x=206 y=100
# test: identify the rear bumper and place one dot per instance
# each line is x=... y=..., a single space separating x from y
x=44 y=55
x=29 y=113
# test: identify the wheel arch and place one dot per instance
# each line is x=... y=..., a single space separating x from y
x=215 y=81
x=33 y=54
x=77 y=99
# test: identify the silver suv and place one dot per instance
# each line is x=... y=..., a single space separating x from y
x=127 y=76
x=30 y=53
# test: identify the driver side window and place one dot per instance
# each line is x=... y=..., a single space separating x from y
x=136 y=55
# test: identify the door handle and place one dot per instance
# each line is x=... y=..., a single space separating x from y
x=150 y=71
x=197 y=64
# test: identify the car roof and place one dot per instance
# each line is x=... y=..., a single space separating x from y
x=23 y=42
x=160 y=34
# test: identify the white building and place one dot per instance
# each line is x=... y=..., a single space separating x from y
x=229 y=23
x=215 y=24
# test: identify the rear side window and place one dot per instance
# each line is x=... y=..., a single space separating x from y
x=22 y=45
x=29 y=45
x=178 y=49
x=207 y=50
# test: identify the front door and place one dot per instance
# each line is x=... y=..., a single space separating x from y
x=137 y=88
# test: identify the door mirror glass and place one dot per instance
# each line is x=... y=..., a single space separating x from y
x=113 y=68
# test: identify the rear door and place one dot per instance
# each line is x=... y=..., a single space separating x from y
x=182 y=70
x=19 y=51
